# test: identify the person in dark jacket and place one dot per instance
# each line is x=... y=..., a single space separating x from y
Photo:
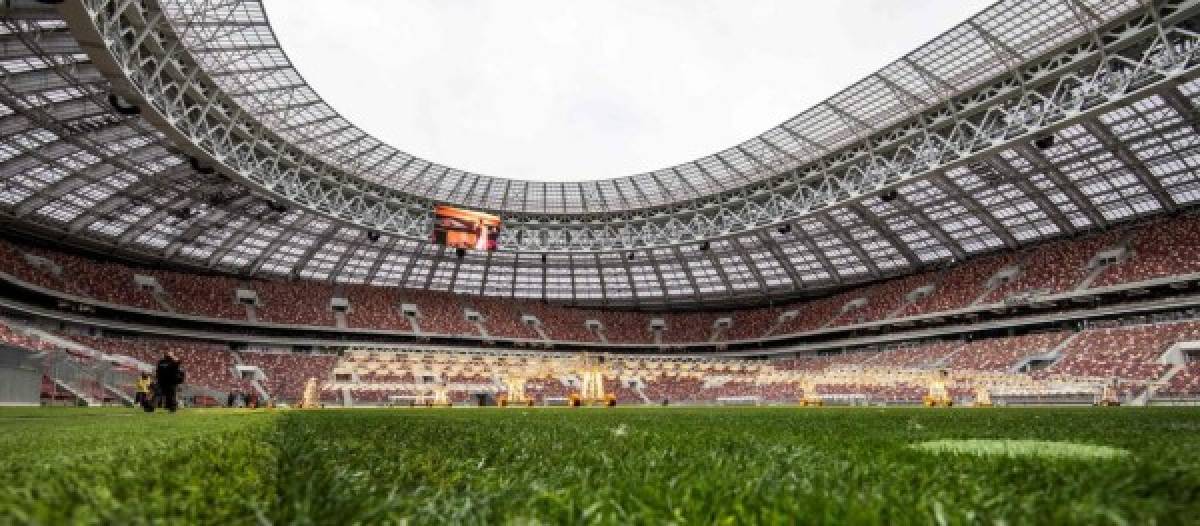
x=168 y=376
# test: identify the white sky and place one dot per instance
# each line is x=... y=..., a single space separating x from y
x=572 y=90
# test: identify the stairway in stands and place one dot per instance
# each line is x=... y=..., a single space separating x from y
x=1052 y=355
x=541 y=331
x=1122 y=243
x=1090 y=277
x=160 y=297
x=645 y=399
x=258 y=388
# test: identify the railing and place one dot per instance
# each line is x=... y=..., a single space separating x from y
x=98 y=382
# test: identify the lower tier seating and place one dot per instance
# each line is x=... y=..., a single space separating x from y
x=1186 y=382
x=287 y=373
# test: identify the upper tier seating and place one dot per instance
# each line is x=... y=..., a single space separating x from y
x=295 y=302
x=502 y=317
x=375 y=308
x=817 y=314
x=690 y=327
x=883 y=299
x=441 y=312
x=1055 y=268
x=12 y=261
x=1164 y=248
x=752 y=323
x=624 y=326
x=103 y=280
x=560 y=323
x=959 y=285
x=106 y=281
x=209 y=296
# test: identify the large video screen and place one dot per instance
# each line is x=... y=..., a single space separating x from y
x=465 y=229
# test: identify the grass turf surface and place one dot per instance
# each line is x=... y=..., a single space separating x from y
x=619 y=466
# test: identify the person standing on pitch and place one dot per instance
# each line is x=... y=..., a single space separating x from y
x=143 y=396
x=169 y=375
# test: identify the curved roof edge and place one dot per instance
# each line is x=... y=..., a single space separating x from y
x=237 y=46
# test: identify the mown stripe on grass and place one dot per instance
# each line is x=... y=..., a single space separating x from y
x=1022 y=448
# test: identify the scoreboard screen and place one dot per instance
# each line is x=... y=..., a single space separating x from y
x=465 y=229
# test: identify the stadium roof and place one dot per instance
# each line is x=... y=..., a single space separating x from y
x=234 y=43
x=1032 y=120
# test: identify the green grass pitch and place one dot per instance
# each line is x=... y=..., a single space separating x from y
x=604 y=466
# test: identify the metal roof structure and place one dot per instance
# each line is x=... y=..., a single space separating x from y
x=177 y=130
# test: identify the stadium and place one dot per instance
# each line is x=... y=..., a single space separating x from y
x=961 y=289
